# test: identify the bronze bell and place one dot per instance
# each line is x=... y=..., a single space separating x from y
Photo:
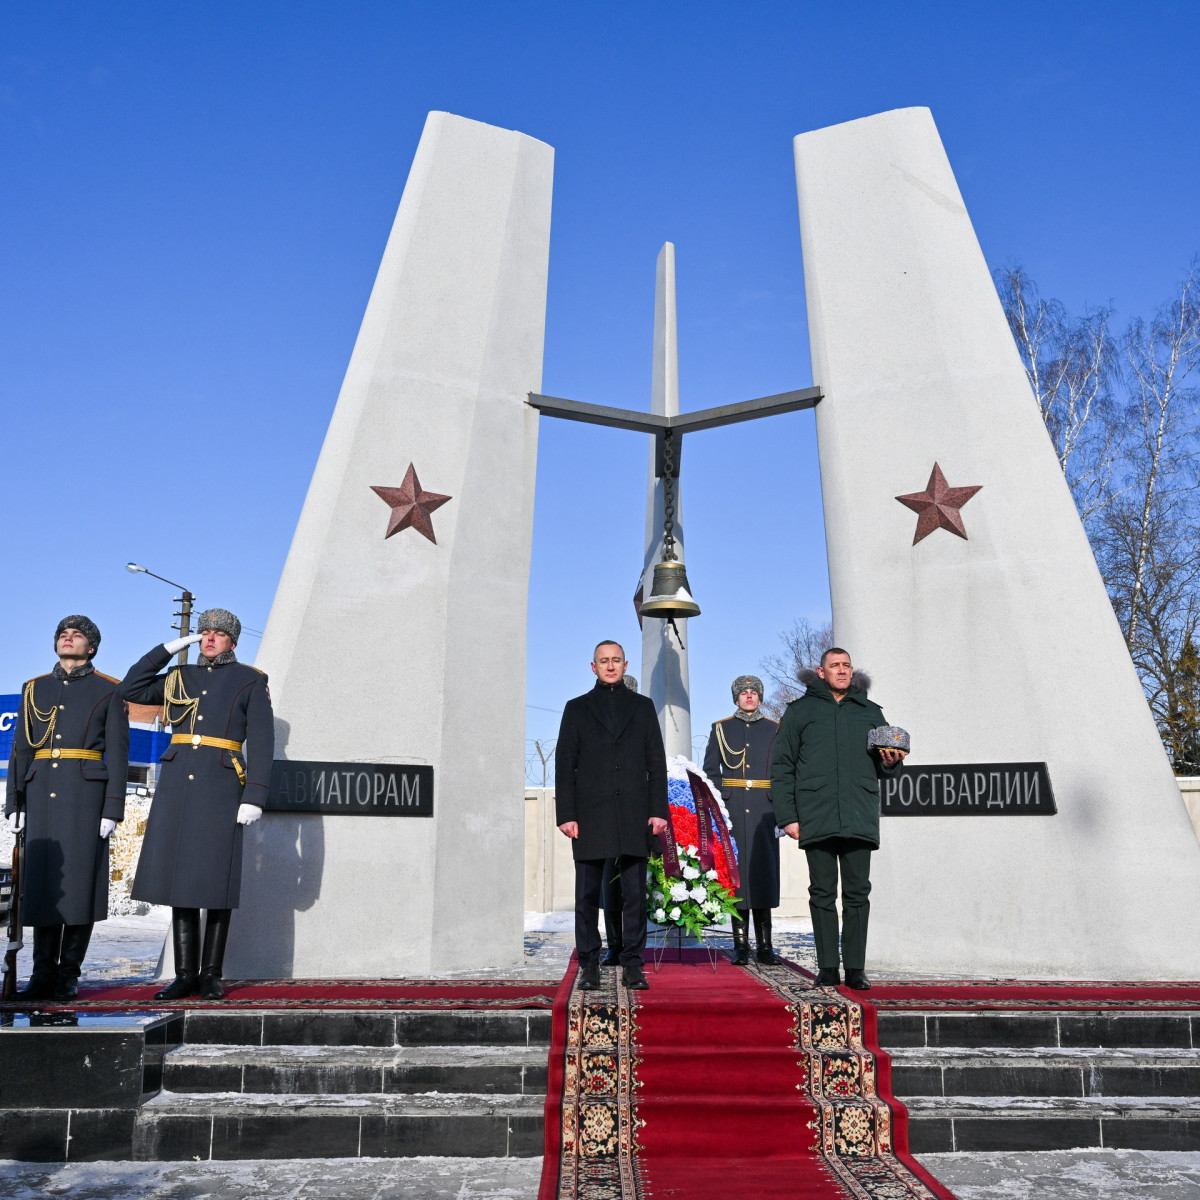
x=670 y=596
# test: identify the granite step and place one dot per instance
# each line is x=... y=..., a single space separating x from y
x=1044 y=1071
x=898 y=1028
x=320 y=1070
x=940 y=1124
x=231 y=1125
x=332 y=1027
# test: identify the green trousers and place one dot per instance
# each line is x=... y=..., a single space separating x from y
x=853 y=858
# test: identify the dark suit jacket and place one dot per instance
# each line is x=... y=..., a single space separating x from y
x=610 y=772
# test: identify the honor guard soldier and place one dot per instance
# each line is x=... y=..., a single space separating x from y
x=738 y=759
x=213 y=781
x=66 y=788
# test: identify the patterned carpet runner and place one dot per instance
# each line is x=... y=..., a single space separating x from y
x=725 y=1084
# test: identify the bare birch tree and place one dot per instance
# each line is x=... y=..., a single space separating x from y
x=803 y=646
x=1070 y=363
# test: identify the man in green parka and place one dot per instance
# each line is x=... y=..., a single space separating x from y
x=825 y=784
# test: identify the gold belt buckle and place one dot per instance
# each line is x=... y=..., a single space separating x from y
x=195 y=740
x=56 y=753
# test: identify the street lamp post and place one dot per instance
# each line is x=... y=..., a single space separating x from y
x=186 y=601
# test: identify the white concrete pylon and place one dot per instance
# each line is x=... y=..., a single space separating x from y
x=1000 y=647
x=664 y=662
x=403 y=649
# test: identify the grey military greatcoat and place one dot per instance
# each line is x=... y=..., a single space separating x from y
x=192 y=851
x=740 y=750
x=65 y=797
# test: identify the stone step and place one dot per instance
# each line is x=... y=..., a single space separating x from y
x=1044 y=1071
x=1068 y=1029
x=479 y=1069
x=1010 y=1123
x=229 y=1125
x=342 y=1027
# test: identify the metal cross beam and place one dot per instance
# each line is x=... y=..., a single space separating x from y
x=667 y=427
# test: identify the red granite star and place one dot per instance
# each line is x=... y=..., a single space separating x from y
x=410 y=505
x=937 y=506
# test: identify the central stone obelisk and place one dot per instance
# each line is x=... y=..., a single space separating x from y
x=397 y=634
x=664 y=652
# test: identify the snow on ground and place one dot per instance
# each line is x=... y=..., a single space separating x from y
x=1046 y=1175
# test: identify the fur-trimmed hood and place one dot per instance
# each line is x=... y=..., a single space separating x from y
x=860 y=679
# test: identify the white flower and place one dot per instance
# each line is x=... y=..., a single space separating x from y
x=710 y=874
x=693 y=851
x=659 y=897
x=674 y=914
x=698 y=893
x=660 y=914
x=690 y=873
x=679 y=891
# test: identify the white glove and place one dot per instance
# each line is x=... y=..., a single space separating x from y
x=107 y=825
x=16 y=821
x=179 y=643
x=248 y=814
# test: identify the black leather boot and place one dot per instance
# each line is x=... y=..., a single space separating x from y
x=185 y=933
x=216 y=931
x=46 y=942
x=762 y=937
x=70 y=960
x=741 y=940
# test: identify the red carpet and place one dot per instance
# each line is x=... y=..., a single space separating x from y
x=1051 y=995
x=743 y=1084
x=319 y=993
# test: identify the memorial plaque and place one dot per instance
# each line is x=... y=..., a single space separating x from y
x=969 y=790
x=351 y=789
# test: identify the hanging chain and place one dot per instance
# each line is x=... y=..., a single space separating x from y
x=668 y=497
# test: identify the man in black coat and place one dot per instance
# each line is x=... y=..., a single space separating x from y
x=66 y=788
x=610 y=799
x=213 y=782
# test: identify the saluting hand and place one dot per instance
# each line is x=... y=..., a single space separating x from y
x=179 y=643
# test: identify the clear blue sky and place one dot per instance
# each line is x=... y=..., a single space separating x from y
x=194 y=199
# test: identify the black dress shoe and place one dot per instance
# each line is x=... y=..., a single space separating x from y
x=741 y=955
x=611 y=959
x=187 y=983
x=828 y=977
x=856 y=978
x=589 y=978
x=634 y=978
x=211 y=987
x=767 y=956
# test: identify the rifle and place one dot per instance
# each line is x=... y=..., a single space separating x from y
x=15 y=929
